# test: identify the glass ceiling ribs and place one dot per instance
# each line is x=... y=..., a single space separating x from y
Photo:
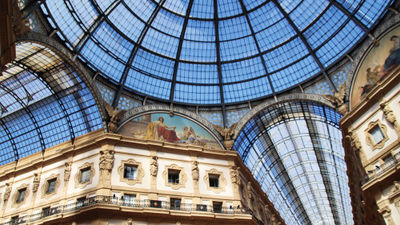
x=43 y=103
x=294 y=151
x=208 y=52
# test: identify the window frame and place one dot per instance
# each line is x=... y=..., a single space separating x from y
x=139 y=172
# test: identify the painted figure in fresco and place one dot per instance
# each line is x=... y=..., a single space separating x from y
x=378 y=72
x=394 y=55
x=158 y=130
x=189 y=135
x=373 y=76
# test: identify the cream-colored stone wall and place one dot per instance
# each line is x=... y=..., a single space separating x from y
x=112 y=185
x=375 y=114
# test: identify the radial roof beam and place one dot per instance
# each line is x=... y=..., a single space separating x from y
x=321 y=164
x=55 y=94
x=11 y=139
x=124 y=75
x=303 y=39
x=219 y=69
x=351 y=15
x=272 y=152
x=336 y=168
x=28 y=111
x=178 y=52
x=257 y=45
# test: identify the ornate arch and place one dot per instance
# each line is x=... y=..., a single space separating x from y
x=66 y=55
x=285 y=98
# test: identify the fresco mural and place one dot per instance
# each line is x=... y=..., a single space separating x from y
x=381 y=59
x=175 y=129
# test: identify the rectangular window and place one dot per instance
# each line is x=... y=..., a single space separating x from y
x=21 y=195
x=377 y=134
x=85 y=175
x=129 y=200
x=130 y=172
x=175 y=203
x=14 y=220
x=213 y=180
x=217 y=207
x=51 y=185
x=45 y=211
x=173 y=176
x=80 y=202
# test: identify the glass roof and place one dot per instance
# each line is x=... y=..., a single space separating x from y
x=294 y=150
x=43 y=102
x=209 y=52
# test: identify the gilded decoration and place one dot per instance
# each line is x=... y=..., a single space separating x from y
x=45 y=185
x=139 y=172
x=369 y=137
x=222 y=180
x=78 y=175
x=115 y=115
x=16 y=204
x=227 y=133
x=182 y=177
x=338 y=99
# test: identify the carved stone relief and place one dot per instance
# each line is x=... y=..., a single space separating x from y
x=195 y=171
x=154 y=166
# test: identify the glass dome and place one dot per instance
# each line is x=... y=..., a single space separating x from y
x=209 y=52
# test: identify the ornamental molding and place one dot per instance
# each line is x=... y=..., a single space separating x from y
x=370 y=139
x=222 y=180
x=182 y=177
x=45 y=185
x=78 y=175
x=139 y=172
x=14 y=203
